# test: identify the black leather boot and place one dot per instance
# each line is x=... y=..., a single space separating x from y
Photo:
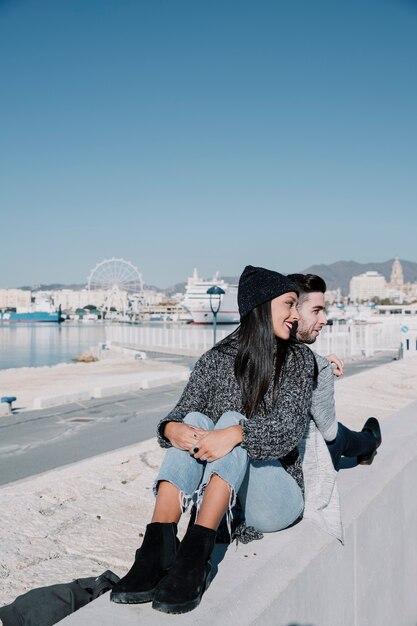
x=181 y=590
x=152 y=562
x=371 y=426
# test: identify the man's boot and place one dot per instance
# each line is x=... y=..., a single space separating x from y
x=371 y=426
x=152 y=562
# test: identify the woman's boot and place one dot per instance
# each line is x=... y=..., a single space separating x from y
x=152 y=562
x=181 y=590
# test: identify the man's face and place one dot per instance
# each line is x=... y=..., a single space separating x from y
x=312 y=317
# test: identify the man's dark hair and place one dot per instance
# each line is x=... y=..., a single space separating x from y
x=308 y=283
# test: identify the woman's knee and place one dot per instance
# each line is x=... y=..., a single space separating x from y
x=198 y=419
x=271 y=498
x=229 y=418
x=272 y=519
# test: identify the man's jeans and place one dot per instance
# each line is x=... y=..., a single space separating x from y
x=350 y=443
x=271 y=499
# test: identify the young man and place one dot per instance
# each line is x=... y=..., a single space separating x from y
x=340 y=440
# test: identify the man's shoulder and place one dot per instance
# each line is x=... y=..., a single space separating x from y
x=322 y=362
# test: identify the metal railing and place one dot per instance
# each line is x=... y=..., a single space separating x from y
x=345 y=340
x=351 y=340
x=182 y=339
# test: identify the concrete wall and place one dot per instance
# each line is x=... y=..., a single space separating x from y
x=371 y=581
x=303 y=577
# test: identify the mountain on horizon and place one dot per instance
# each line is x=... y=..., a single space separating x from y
x=338 y=274
x=53 y=287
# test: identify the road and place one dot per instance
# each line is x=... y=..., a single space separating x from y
x=37 y=441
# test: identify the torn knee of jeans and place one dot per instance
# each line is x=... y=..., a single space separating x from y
x=232 y=500
x=185 y=499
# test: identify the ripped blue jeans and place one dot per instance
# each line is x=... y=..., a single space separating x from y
x=271 y=499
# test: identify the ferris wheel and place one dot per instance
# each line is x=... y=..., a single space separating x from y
x=120 y=284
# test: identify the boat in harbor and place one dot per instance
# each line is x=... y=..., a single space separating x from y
x=40 y=311
x=32 y=316
x=197 y=300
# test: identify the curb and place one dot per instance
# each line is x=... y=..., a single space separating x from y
x=143 y=382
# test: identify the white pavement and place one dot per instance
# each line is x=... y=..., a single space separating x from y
x=83 y=519
x=42 y=387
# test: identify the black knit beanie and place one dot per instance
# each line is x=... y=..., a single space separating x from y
x=258 y=285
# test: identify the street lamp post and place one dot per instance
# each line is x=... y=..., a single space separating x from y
x=215 y=294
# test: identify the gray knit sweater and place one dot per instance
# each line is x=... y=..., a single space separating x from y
x=274 y=433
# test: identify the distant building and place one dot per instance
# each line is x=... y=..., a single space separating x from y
x=150 y=296
x=410 y=290
x=397 y=276
x=72 y=299
x=398 y=290
x=368 y=286
x=333 y=296
x=15 y=299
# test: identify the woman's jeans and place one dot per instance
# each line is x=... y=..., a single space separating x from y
x=271 y=499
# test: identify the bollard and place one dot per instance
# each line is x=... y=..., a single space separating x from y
x=8 y=400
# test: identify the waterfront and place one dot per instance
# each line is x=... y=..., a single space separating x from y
x=36 y=345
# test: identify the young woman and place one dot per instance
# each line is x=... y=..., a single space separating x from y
x=234 y=431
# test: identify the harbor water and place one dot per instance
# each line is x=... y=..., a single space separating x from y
x=36 y=345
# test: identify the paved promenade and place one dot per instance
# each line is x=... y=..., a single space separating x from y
x=43 y=387
x=85 y=518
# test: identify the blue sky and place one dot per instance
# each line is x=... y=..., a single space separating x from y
x=182 y=133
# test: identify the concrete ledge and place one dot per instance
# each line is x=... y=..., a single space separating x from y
x=48 y=401
x=141 y=381
x=165 y=379
x=304 y=577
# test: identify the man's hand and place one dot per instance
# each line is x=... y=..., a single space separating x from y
x=217 y=443
x=183 y=436
x=338 y=369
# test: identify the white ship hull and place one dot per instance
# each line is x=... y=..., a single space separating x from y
x=223 y=317
x=197 y=301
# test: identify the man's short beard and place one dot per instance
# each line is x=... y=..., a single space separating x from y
x=305 y=337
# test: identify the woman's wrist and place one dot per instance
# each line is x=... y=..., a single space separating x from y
x=167 y=431
x=237 y=434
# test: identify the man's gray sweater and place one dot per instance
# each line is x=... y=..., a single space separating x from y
x=323 y=410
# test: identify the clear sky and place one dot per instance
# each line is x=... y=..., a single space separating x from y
x=182 y=133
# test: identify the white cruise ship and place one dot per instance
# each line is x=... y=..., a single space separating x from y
x=197 y=300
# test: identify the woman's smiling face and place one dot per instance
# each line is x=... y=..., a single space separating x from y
x=284 y=313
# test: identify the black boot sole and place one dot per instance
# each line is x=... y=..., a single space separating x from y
x=132 y=597
x=182 y=607
x=366 y=460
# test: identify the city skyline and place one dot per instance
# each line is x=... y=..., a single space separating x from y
x=339 y=272
x=181 y=134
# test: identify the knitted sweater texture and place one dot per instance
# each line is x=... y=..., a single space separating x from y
x=276 y=430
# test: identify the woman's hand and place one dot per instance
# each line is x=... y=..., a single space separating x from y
x=217 y=443
x=183 y=436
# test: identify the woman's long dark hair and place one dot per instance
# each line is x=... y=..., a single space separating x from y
x=259 y=358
